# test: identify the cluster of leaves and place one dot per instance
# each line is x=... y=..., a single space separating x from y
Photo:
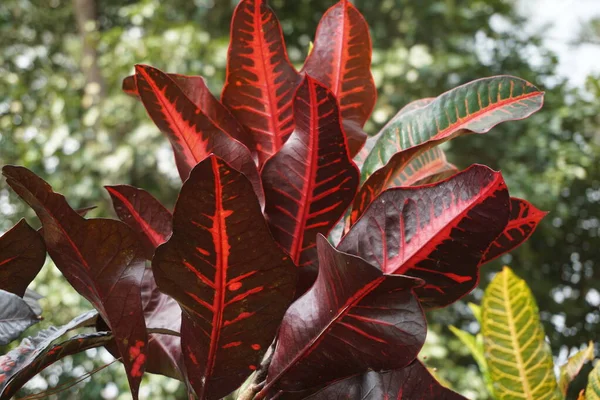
x=511 y=349
x=243 y=283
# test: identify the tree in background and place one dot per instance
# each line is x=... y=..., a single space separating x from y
x=62 y=114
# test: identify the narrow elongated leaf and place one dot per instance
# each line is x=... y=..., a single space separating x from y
x=15 y=317
x=592 y=390
x=353 y=318
x=413 y=382
x=260 y=81
x=312 y=180
x=523 y=220
x=100 y=258
x=144 y=214
x=429 y=167
x=437 y=233
x=22 y=256
x=232 y=280
x=192 y=133
x=571 y=369
x=22 y=366
x=518 y=358
x=341 y=60
x=194 y=87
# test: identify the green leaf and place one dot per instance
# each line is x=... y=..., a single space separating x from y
x=569 y=371
x=518 y=358
x=476 y=310
x=592 y=391
x=470 y=342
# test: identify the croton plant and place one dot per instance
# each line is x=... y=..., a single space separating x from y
x=238 y=292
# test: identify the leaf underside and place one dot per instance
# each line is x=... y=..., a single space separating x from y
x=15 y=317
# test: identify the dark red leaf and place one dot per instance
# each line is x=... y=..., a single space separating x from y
x=341 y=59
x=261 y=81
x=232 y=280
x=193 y=135
x=194 y=87
x=410 y=383
x=15 y=317
x=144 y=214
x=100 y=258
x=523 y=220
x=353 y=318
x=436 y=232
x=312 y=180
x=22 y=256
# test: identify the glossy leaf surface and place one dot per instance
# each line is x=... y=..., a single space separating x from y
x=437 y=233
x=144 y=214
x=100 y=258
x=413 y=382
x=573 y=366
x=232 y=280
x=192 y=133
x=260 y=81
x=312 y=180
x=430 y=167
x=518 y=358
x=22 y=256
x=341 y=60
x=592 y=390
x=523 y=220
x=353 y=318
x=15 y=317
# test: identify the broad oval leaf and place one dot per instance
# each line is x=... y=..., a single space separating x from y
x=18 y=360
x=518 y=358
x=341 y=60
x=413 y=382
x=437 y=233
x=524 y=218
x=260 y=80
x=15 y=317
x=592 y=390
x=193 y=135
x=22 y=256
x=312 y=180
x=353 y=318
x=232 y=280
x=100 y=258
x=573 y=366
x=144 y=214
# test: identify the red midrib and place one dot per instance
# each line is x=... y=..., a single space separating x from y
x=341 y=52
x=8 y=260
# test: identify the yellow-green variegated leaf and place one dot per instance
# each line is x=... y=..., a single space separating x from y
x=518 y=358
x=569 y=371
x=429 y=167
x=476 y=310
x=592 y=391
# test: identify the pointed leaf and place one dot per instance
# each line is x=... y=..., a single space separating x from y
x=571 y=369
x=353 y=318
x=144 y=214
x=31 y=298
x=592 y=391
x=437 y=233
x=18 y=359
x=232 y=280
x=341 y=60
x=413 y=382
x=518 y=358
x=100 y=258
x=523 y=220
x=194 y=87
x=192 y=133
x=260 y=81
x=15 y=317
x=312 y=180
x=22 y=256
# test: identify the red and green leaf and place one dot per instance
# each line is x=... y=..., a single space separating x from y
x=341 y=60
x=100 y=258
x=437 y=233
x=430 y=167
x=144 y=214
x=312 y=180
x=413 y=382
x=22 y=256
x=231 y=279
x=523 y=220
x=260 y=81
x=353 y=318
x=193 y=135
x=194 y=87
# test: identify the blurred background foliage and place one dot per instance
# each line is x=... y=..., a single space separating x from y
x=62 y=114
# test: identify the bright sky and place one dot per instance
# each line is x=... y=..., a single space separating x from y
x=566 y=18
